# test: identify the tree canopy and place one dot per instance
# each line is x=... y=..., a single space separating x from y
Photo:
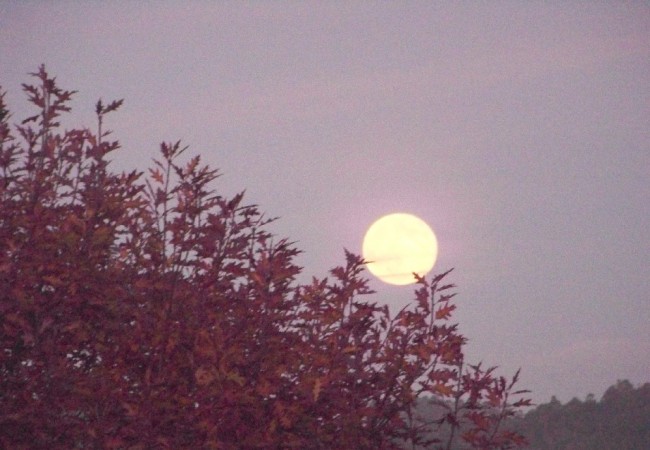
x=145 y=310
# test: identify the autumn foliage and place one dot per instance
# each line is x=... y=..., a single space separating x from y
x=144 y=310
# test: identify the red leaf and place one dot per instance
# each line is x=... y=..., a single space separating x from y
x=444 y=311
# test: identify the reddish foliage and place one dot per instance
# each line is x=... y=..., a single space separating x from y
x=154 y=313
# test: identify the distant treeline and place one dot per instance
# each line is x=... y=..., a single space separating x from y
x=619 y=421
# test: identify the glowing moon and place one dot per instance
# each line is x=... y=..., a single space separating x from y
x=397 y=245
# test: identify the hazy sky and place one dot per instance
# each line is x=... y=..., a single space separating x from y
x=520 y=131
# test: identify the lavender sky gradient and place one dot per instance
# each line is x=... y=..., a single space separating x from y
x=520 y=131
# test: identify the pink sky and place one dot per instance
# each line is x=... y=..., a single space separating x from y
x=518 y=131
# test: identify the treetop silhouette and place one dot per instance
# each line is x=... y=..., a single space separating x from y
x=148 y=311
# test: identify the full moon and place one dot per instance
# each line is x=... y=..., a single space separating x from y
x=398 y=245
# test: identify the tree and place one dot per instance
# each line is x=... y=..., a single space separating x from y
x=148 y=311
x=620 y=420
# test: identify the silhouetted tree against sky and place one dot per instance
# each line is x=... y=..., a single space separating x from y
x=147 y=311
x=620 y=420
